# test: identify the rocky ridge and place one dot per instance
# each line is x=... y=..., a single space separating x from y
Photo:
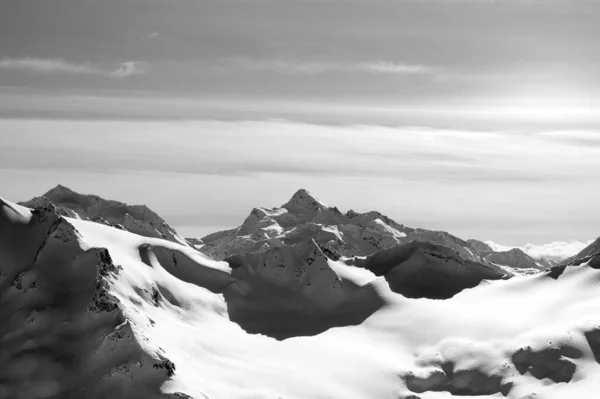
x=138 y=219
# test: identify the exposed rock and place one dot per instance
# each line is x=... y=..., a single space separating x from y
x=292 y=291
x=425 y=270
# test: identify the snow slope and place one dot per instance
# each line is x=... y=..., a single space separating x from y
x=92 y=311
x=305 y=218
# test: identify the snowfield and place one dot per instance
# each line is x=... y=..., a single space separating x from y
x=91 y=311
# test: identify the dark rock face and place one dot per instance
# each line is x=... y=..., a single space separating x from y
x=593 y=339
x=292 y=291
x=461 y=383
x=595 y=262
x=425 y=270
x=552 y=363
x=556 y=271
x=103 y=301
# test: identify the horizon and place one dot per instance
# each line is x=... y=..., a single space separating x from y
x=474 y=117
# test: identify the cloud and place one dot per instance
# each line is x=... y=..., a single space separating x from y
x=360 y=151
x=61 y=66
x=282 y=65
x=395 y=67
x=46 y=65
x=557 y=250
x=126 y=69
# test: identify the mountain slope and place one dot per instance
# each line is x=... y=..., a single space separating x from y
x=311 y=296
x=426 y=270
x=114 y=314
x=62 y=333
x=589 y=252
x=305 y=218
x=138 y=219
x=515 y=258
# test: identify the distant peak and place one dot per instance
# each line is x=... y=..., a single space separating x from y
x=59 y=189
x=305 y=200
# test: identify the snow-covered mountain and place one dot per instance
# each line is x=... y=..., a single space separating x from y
x=338 y=234
x=515 y=258
x=91 y=311
x=553 y=252
x=138 y=219
x=589 y=252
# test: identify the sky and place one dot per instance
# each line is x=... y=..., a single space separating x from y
x=477 y=117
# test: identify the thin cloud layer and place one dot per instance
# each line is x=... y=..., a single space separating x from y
x=282 y=65
x=46 y=65
x=61 y=66
x=509 y=186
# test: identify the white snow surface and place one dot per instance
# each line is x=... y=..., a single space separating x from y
x=477 y=329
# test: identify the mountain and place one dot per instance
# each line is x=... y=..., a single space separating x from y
x=338 y=234
x=480 y=246
x=313 y=294
x=138 y=219
x=589 y=252
x=425 y=270
x=515 y=258
x=551 y=253
x=88 y=310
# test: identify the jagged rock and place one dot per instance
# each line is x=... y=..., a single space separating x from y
x=305 y=218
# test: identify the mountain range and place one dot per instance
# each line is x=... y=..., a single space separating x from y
x=102 y=299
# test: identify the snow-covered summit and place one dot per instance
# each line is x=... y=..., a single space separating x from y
x=302 y=201
x=305 y=218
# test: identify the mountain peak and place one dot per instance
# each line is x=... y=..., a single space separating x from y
x=304 y=200
x=58 y=189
